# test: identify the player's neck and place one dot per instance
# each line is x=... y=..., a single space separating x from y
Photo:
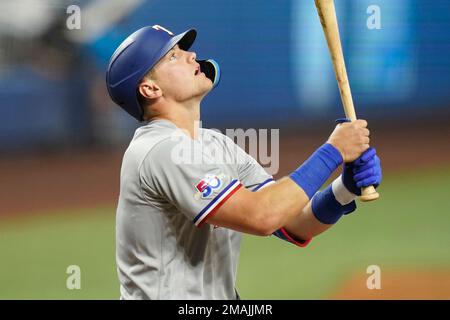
x=185 y=118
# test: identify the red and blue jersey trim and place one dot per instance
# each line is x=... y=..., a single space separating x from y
x=263 y=184
x=217 y=202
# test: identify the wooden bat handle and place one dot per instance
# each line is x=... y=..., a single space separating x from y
x=328 y=19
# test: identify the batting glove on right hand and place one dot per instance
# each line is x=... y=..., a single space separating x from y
x=363 y=172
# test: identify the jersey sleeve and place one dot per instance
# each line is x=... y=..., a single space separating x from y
x=195 y=188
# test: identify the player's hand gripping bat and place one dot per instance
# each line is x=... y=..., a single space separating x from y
x=327 y=15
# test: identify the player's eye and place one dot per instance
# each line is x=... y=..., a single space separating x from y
x=173 y=56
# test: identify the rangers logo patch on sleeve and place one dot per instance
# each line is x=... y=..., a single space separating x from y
x=209 y=186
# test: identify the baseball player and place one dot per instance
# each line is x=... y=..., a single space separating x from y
x=182 y=209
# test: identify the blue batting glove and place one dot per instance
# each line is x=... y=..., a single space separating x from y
x=363 y=172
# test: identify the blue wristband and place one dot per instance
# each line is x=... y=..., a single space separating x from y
x=327 y=209
x=313 y=173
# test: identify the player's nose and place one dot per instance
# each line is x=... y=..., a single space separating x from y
x=192 y=56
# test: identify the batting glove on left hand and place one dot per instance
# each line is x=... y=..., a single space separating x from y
x=364 y=171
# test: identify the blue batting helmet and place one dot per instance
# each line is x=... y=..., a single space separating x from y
x=137 y=55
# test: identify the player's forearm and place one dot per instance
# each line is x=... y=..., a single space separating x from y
x=269 y=209
x=272 y=207
x=305 y=225
x=324 y=210
x=278 y=204
x=306 y=180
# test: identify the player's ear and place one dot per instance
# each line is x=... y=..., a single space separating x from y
x=149 y=89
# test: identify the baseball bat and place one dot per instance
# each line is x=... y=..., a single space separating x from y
x=328 y=19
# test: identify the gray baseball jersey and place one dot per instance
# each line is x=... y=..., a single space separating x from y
x=170 y=184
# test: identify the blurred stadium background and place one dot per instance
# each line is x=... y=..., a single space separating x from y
x=61 y=138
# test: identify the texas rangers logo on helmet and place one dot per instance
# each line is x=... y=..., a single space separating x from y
x=158 y=27
x=209 y=185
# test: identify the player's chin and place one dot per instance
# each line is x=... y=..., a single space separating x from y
x=207 y=86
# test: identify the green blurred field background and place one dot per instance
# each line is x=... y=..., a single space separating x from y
x=407 y=228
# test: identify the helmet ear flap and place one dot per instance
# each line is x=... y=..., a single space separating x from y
x=211 y=69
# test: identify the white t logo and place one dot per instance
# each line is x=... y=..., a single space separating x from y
x=158 y=27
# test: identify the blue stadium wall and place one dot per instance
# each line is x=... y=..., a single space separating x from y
x=275 y=64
